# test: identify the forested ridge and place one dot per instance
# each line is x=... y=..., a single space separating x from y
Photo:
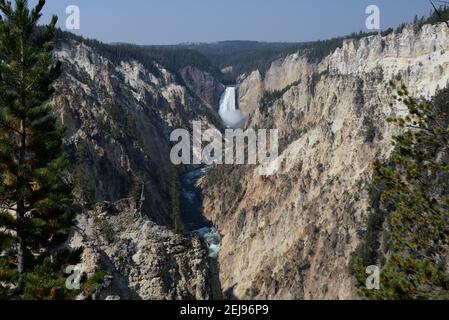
x=226 y=60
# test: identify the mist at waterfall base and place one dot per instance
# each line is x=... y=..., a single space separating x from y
x=231 y=116
x=192 y=212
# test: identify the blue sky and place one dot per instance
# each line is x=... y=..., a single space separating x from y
x=177 y=21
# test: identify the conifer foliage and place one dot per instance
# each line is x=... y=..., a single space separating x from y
x=414 y=188
x=35 y=198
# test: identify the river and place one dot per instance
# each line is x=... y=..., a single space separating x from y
x=192 y=212
x=191 y=202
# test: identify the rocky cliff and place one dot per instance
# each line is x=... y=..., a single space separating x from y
x=291 y=235
x=143 y=260
x=203 y=85
x=119 y=115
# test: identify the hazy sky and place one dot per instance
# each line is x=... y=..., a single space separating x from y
x=176 y=21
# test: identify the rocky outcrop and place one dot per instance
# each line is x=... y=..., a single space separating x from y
x=291 y=235
x=250 y=91
x=143 y=260
x=205 y=86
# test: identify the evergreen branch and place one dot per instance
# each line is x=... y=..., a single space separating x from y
x=4 y=125
x=7 y=220
x=8 y=83
x=438 y=12
x=5 y=7
x=36 y=12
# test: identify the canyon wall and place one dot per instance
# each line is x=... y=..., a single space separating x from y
x=291 y=235
x=119 y=116
x=203 y=85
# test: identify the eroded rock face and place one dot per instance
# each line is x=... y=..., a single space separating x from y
x=250 y=91
x=119 y=117
x=291 y=235
x=144 y=260
x=203 y=85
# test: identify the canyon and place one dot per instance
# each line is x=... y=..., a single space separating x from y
x=289 y=235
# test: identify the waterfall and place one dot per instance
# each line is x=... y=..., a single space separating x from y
x=231 y=116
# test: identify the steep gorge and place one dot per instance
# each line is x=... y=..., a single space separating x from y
x=119 y=116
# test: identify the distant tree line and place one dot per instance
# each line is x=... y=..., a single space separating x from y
x=173 y=59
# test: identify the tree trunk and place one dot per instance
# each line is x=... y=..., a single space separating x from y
x=21 y=183
x=21 y=256
x=21 y=247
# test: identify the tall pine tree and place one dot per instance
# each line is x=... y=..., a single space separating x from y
x=35 y=198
